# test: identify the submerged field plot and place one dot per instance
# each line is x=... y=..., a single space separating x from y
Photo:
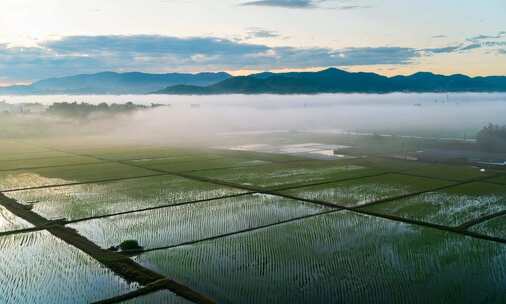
x=175 y=225
x=45 y=162
x=21 y=179
x=453 y=206
x=365 y=190
x=451 y=172
x=39 y=268
x=165 y=297
x=97 y=199
x=193 y=163
x=495 y=227
x=10 y=222
x=290 y=174
x=339 y=256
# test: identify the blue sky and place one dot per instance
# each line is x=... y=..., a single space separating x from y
x=51 y=38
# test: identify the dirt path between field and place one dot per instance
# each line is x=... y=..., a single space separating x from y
x=120 y=264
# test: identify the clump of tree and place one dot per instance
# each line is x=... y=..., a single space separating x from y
x=492 y=138
x=128 y=246
x=83 y=110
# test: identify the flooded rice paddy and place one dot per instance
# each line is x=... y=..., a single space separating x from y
x=97 y=199
x=172 y=226
x=255 y=219
x=452 y=207
x=39 y=268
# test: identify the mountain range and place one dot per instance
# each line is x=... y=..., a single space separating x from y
x=114 y=83
x=331 y=80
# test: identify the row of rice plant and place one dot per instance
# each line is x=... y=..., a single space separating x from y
x=88 y=200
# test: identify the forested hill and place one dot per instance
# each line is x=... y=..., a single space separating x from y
x=338 y=81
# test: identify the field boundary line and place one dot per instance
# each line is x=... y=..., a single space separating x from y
x=454 y=230
x=21 y=231
x=145 y=290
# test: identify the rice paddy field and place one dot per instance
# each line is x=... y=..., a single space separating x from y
x=247 y=224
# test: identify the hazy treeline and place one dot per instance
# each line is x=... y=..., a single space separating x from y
x=493 y=138
x=85 y=109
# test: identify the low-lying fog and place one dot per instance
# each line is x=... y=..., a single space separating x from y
x=442 y=115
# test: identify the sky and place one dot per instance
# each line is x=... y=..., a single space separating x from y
x=53 y=38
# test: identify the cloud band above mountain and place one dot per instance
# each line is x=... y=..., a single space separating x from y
x=152 y=53
x=87 y=54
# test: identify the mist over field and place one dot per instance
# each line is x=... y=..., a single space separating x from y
x=197 y=117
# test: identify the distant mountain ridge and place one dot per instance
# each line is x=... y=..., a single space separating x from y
x=330 y=80
x=333 y=80
x=115 y=83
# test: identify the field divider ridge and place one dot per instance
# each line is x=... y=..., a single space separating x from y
x=143 y=291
